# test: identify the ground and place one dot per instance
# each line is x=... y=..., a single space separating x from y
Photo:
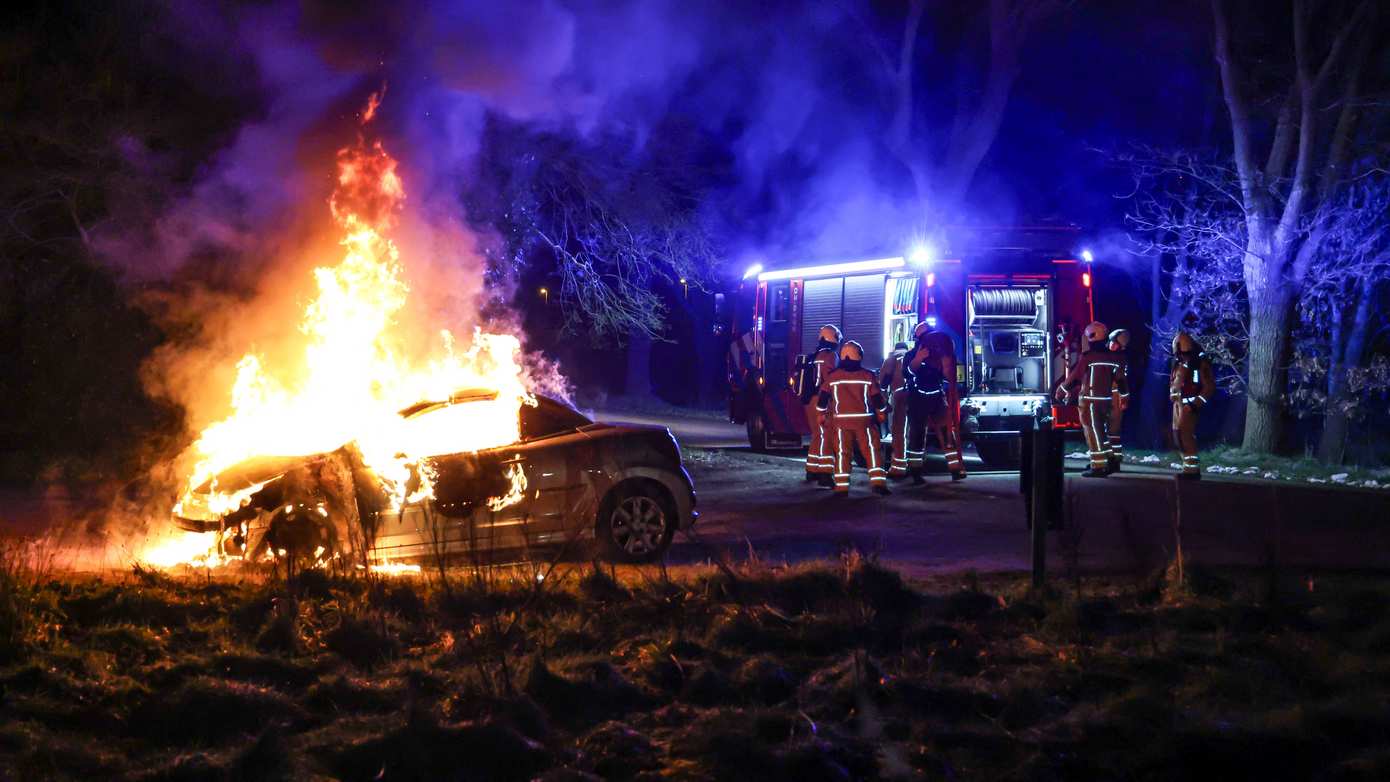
x=833 y=670
x=1123 y=523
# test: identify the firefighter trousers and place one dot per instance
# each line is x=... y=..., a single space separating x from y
x=1095 y=417
x=865 y=438
x=1117 y=417
x=820 y=457
x=1185 y=436
x=899 y=424
x=930 y=410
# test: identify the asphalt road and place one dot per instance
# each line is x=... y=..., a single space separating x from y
x=1124 y=523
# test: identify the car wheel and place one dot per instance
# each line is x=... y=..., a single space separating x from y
x=999 y=454
x=757 y=433
x=636 y=525
x=301 y=535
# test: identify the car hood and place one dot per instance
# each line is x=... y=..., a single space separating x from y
x=257 y=469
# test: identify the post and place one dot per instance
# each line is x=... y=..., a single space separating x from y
x=1040 y=501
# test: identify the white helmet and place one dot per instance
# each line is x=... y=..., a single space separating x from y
x=1096 y=332
x=830 y=333
x=921 y=329
x=851 y=351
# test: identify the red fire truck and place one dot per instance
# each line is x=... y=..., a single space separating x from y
x=1014 y=301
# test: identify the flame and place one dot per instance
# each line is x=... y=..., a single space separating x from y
x=517 y=478
x=196 y=549
x=395 y=569
x=354 y=374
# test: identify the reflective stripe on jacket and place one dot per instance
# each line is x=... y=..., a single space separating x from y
x=1099 y=374
x=851 y=397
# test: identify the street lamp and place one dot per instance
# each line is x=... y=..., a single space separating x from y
x=545 y=295
x=685 y=287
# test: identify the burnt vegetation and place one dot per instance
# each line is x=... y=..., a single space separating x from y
x=837 y=670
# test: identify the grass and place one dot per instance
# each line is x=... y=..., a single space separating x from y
x=832 y=670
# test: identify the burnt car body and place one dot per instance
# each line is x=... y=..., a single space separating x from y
x=623 y=486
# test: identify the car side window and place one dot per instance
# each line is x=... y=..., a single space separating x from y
x=548 y=418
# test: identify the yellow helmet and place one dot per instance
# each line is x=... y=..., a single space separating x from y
x=830 y=333
x=1096 y=332
x=1183 y=342
x=1120 y=337
x=851 y=351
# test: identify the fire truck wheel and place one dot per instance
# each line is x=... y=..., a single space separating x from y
x=636 y=522
x=1001 y=454
x=757 y=433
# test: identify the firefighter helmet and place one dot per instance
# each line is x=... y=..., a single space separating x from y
x=900 y=346
x=851 y=351
x=1119 y=339
x=939 y=343
x=1183 y=343
x=921 y=330
x=830 y=333
x=1096 y=332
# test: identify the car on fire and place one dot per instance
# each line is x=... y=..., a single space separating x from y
x=565 y=479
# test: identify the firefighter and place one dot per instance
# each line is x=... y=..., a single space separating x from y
x=892 y=377
x=945 y=420
x=851 y=406
x=1098 y=374
x=926 y=400
x=1190 y=388
x=742 y=363
x=820 y=462
x=1118 y=342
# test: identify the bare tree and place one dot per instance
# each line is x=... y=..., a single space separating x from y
x=943 y=163
x=1185 y=207
x=615 y=226
x=1288 y=176
x=1341 y=312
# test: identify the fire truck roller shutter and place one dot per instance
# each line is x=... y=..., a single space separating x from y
x=1004 y=305
x=823 y=298
x=864 y=314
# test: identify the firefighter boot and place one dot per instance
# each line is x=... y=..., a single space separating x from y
x=882 y=491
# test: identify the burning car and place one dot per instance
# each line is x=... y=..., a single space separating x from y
x=565 y=478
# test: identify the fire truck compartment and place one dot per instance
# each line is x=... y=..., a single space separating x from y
x=1009 y=369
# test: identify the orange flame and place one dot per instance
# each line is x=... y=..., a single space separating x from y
x=354 y=374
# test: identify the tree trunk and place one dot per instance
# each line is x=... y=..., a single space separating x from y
x=1270 y=322
x=1336 y=425
x=1165 y=313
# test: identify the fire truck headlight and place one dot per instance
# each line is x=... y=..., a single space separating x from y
x=1086 y=256
x=753 y=271
x=920 y=255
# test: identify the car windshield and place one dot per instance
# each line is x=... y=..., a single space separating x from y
x=548 y=418
x=435 y=428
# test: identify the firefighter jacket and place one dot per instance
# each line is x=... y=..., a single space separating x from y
x=1192 y=382
x=923 y=370
x=1099 y=373
x=817 y=369
x=893 y=374
x=851 y=397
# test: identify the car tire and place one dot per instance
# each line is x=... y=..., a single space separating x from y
x=757 y=433
x=636 y=523
x=999 y=454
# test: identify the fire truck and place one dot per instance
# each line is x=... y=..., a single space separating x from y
x=1014 y=301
